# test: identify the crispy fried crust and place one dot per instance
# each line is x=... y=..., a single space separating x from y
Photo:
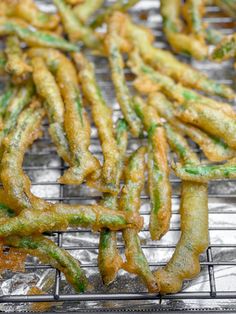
x=158 y=170
x=214 y=148
x=136 y=261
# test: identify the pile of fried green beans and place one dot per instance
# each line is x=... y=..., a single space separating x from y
x=185 y=28
x=51 y=78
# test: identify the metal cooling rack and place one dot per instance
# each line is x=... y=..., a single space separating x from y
x=44 y=167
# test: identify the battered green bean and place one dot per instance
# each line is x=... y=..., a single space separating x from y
x=170 y=10
x=28 y=11
x=168 y=64
x=226 y=49
x=180 y=146
x=47 y=251
x=158 y=170
x=15 y=182
x=210 y=120
x=61 y=216
x=16 y=65
x=116 y=63
x=16 y=105
x=228 y=6
x=49 y=90
x=75 y=29
x=184 y=264
x=76 y=123
x=205 y=173
x=193 y=11
x=102 y=116
x=109 y=260
x=119 y=5
x=214 y=148
x=130 y=201
x=150 y=80
x=11 y=26
x=84 y=11
x=184 y=43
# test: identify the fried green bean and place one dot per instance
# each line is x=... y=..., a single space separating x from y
x=15 y=182
x=226 y=49
x=150 y=80
x=62 y=216
x=14 y=108
x=29 y=12
x=117 y=64
x=16 y=65
x=109 y=260
x=11 y=26
x=75 y=29
x=184 y=263
x=158 y=170
x=170 y=11
x=180 y=146
x=119 y=5
x=205 y=173
x=76 y=123
x=73 y=148
x=214 y=148
x=169 y=65
x=193 y=11
x=136 y=261
x=47 y=251
x=49 y=90
x=228 y=6
x=102 y=116
x=84 y=11
x=174 y=30
x=211 y=120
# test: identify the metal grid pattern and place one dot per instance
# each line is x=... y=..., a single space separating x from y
x=42 y=164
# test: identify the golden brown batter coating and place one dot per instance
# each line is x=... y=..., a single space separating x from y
x=184 y=263
x=102 y=116
x=16 y=64
x=214 y=148
x=28 y=11
x=158 y=170
x=136 y=261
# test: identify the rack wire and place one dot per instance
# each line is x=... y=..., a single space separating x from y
x=44 y=166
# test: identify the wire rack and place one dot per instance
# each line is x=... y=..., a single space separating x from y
x=44 y=166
